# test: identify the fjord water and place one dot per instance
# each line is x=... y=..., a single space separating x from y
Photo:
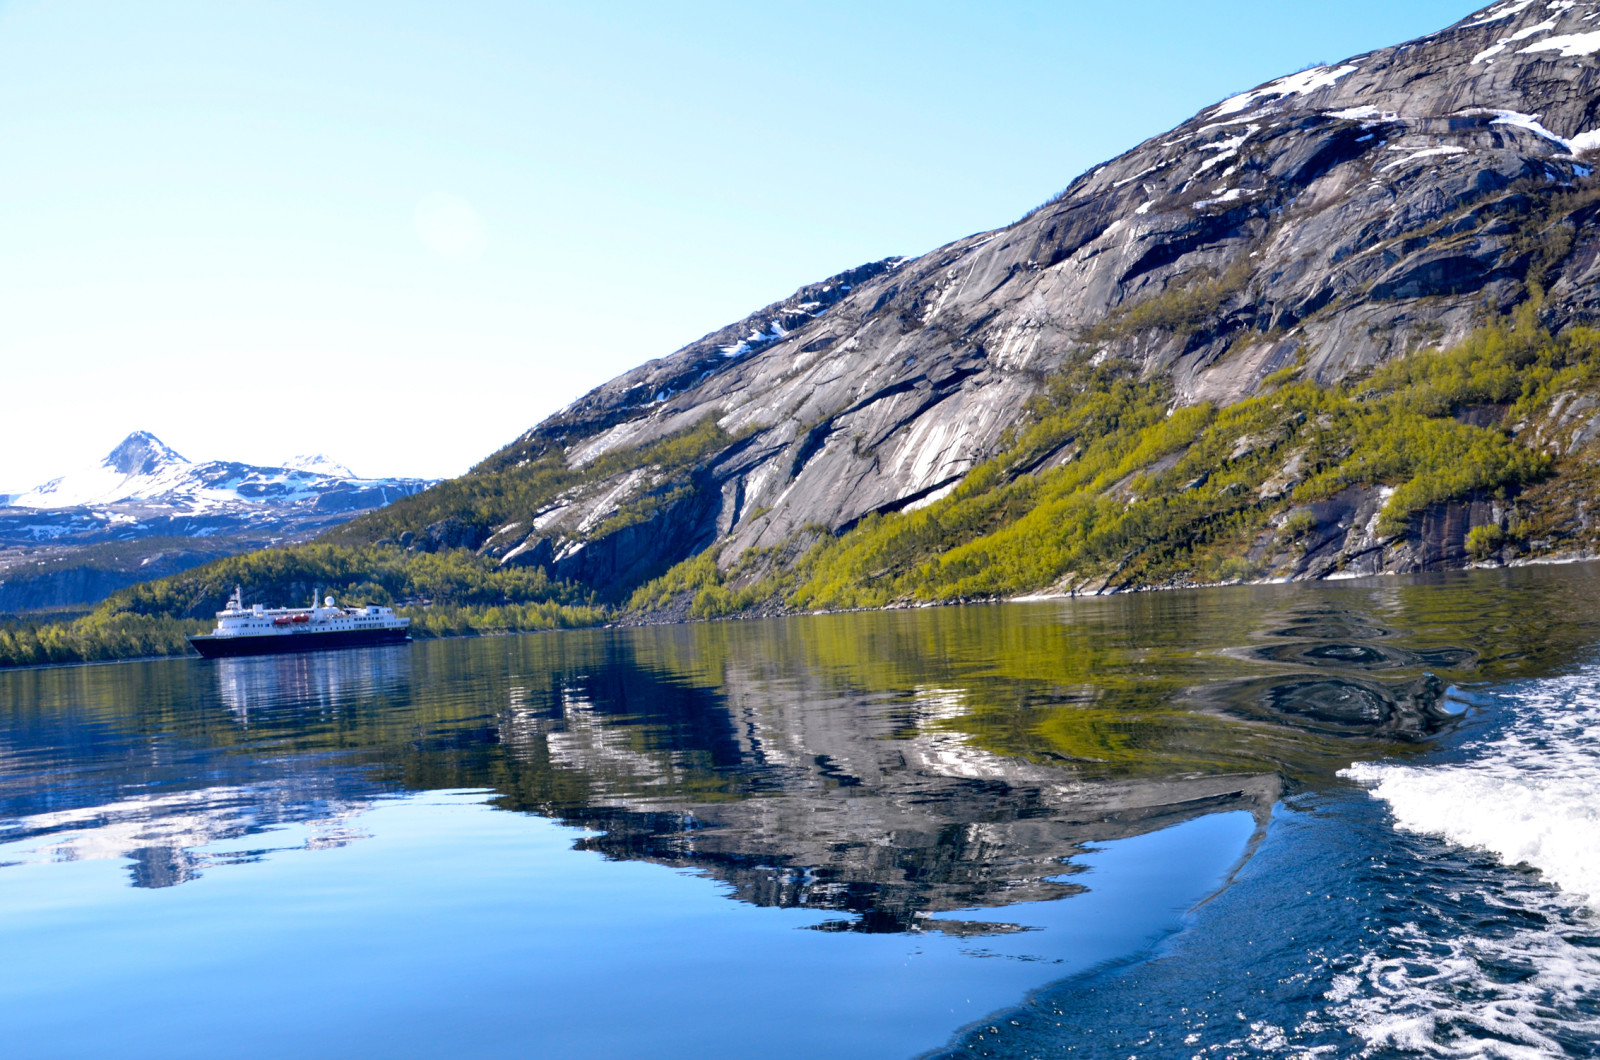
x=1287 y=820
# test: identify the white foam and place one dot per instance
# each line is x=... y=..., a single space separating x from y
x=1440 y=996
x=1532 y=796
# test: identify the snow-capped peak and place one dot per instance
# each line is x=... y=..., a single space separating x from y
x=141 y=453
x=318 y=464
x=143 y=488
x=144 y=472
x=141 y=466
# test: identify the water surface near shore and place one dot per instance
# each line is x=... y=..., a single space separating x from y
x=876 y=834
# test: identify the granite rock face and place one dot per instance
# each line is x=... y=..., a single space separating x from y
x=1343 y=215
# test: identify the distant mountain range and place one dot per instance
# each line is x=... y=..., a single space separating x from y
x=144 y=488
x=71 y=540
x=144 y=469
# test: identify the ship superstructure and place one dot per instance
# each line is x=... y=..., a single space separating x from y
x=258 y=630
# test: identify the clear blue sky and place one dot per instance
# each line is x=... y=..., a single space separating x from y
x=403 y=232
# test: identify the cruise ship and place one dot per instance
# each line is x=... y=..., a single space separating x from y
x=258 y=630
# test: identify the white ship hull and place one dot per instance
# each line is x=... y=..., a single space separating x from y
x=261 y=631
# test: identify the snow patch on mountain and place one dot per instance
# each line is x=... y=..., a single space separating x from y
x=144 y=471
x=1500 y=12
x=1506 y=42
x=319 y=464
x=1574 y=146
x=1302 y=84
x=1570 y=46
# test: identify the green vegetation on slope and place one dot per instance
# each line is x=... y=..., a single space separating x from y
x=444 y=593
x=1181 y=310
x=709 y=589
x=97 y=636
x=1104 y=481
x=1146 y=492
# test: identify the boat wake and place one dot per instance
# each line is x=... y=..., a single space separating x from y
x=1520 y=993
x=1515 y=970
x=1529 y=796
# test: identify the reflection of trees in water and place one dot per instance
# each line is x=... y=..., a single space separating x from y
x=886 y=766
x=895 y=764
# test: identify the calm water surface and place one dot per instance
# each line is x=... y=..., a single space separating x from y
x=1339 y=820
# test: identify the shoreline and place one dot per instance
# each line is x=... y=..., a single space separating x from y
x=640 y=622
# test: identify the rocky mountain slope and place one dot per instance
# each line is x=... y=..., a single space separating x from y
x=1313 y=232
x=146 y=511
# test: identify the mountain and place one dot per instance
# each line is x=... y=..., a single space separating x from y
x=144 y=476
x=1401 y=207
x=318 y=463
x=147 y=511
x=1341 y=324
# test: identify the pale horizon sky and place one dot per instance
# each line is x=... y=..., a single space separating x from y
x=403 y=233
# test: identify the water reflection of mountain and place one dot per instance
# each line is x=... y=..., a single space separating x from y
x=137 y=762
x=852 y=803
x=164 y=837
x=887 y=766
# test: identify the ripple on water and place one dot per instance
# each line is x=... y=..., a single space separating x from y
x=1529 y=992
x=1450 y=916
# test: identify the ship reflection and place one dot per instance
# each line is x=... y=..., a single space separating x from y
x=171 y=839
x=322 y=681
x=125 y=770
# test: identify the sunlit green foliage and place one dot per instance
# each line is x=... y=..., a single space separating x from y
x=442 y=620
x=1153 y=492
x=1180 y=310
x=444 y=593
x=95 y=637
x=1482 y=541
x=1006 y=530
x=1400 y=426
x=709 y=588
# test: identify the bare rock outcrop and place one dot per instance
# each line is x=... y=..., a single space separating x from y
x=1339 y=217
